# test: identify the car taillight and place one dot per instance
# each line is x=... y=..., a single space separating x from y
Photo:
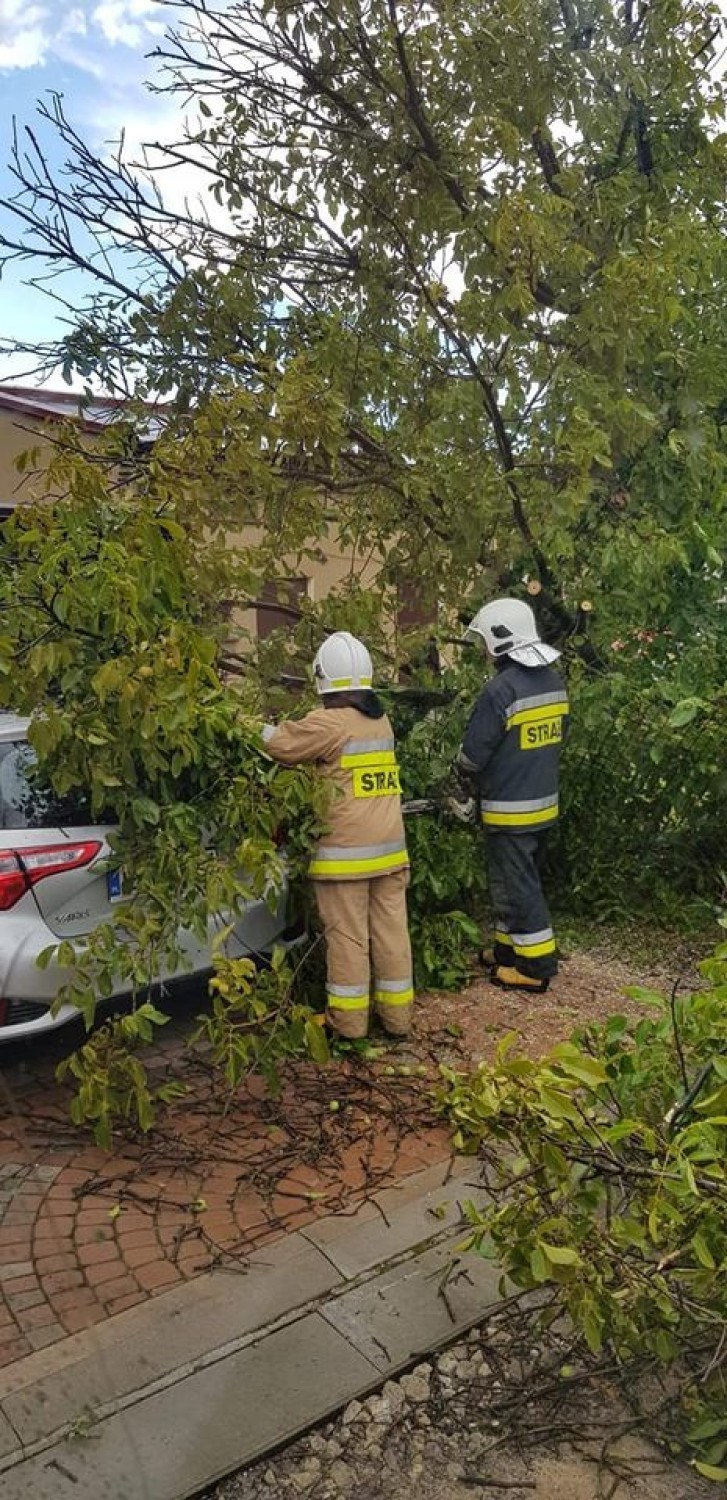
x=23 y=868
x=12 y=881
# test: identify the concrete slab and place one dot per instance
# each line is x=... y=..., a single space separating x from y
x=211 y=1375
x=424 y=1205
x=401 y=1314
x=171 y=1445
x=8 y=1438
x=182 y=1326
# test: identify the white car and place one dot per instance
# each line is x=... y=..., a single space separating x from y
x=54 y=884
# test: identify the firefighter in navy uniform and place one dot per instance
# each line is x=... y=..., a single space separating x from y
x=360 y=868
x=510 y=755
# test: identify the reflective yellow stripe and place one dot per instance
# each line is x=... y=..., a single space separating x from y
x=504 y=939
x=530 y=715
x=517 y=819
x=367 y=758
x=332 y=867
x=392 y=997
x=349 y=1002
x=347 y=682
x=535 y=950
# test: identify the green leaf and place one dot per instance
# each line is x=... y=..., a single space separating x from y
x=560 y=1255
x=710 y=1471
x=646 y=996
x=703 y=1252
x=539 y=1265
x=559 y=1105
x=555 y=1160
x=685 y=712
x=593 y=1330
x=149 y=1012
x=317 y=1043
x=707 y=1427
x=145 y=810
x=579 y=1065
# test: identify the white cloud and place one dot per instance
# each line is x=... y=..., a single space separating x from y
x=23 y=34
x=149 y=124
x=128 y=22
x=31 y=34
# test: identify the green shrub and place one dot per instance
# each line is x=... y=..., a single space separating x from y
x=607 y=1164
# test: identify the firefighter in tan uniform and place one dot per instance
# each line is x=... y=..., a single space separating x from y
x=360 y=868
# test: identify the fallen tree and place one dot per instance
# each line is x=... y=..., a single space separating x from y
x=606 y=1164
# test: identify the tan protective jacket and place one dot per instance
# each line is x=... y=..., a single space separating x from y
x=365 y=834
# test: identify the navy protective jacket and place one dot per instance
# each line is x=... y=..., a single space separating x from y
x=511 y=748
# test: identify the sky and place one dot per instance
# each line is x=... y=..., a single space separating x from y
x=96 y=54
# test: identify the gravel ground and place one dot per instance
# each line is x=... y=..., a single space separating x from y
x=481 y=1418
x=590 y=987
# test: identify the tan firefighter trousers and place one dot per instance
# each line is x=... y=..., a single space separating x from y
x=362 y=918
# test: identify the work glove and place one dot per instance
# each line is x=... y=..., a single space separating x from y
x=464 y=810
x=459 y=799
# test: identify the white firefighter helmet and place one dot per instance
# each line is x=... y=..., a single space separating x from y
x=342 y=664
x=508 y=628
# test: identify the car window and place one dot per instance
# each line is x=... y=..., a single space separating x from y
x=26 y=802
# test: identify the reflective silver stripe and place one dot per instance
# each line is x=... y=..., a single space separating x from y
x=534 y=805
x=538 y=700
x=393 y=986
x=532 y=939
x=359 y=851
x=531 y=949
x=347 y=991
x=268 y=731
x=367 y=747
x=465 y=762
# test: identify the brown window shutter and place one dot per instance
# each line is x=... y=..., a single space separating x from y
x=278 y=607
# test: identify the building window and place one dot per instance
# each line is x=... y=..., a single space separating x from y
x=278 y=607
x=413 y=612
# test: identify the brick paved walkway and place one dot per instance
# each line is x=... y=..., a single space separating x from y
x=85 y=1234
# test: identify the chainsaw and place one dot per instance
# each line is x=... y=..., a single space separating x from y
x=462 y=810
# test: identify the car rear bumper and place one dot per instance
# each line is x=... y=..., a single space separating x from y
x=27 y=992
x=24 y=1018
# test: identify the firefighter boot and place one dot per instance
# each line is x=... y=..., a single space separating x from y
x=512 y=979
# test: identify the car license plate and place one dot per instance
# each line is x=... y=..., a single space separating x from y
x=114 y=885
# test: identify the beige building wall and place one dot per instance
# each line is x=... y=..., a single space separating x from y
x=23 y=426
x=323 y=572
x=18 y=433
x=316 y=576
